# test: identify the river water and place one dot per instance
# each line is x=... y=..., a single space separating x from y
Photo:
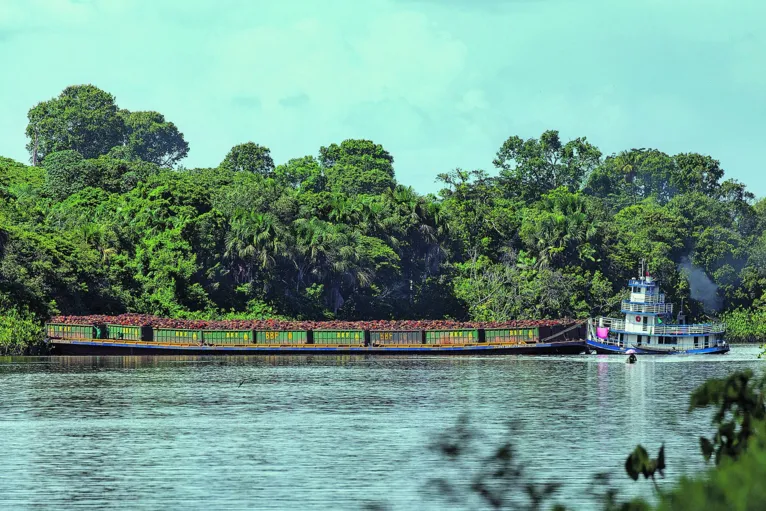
x=329 y=432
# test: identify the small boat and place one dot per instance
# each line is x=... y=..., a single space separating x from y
x=645 y=328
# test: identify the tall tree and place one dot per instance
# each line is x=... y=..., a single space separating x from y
x=249 y=157
x=82 y=118
x=632 y=176
x=529 y=168
x=304 y=174
x=695 y=172
x=358 y=167
x=149 y=137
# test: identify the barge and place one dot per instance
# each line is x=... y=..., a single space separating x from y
x=113 y=339
x=646 y=329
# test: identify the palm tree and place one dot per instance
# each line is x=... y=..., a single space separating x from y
x=561 y=226
x=253 y=241
x=99 y=237
x=344 y=209
x=329 y=254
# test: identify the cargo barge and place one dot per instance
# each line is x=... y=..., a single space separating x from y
x=115 y=339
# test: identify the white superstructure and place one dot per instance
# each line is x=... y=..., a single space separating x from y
x=646 y=325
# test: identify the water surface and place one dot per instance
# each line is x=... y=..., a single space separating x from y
x=328 y=432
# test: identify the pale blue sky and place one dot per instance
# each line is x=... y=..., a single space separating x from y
x=440 y=83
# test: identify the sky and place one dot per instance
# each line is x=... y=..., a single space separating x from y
x=439 y=83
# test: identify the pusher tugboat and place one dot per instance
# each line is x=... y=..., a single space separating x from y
x=645 y=328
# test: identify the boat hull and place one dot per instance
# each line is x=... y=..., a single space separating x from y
x=97 y=347
x=609 y=349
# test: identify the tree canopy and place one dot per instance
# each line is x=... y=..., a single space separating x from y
x=82 y=118
x=103 y=224
x=150 y=138
x=249 y=157
x=86 y=119
x=357 y=167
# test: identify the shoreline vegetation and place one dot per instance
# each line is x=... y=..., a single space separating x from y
x=104 y=219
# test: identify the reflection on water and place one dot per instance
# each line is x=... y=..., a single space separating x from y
x=327 y=432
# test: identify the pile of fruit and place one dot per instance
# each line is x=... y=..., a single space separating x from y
x=157 y=322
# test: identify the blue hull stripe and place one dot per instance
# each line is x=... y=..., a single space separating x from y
x=610 y=348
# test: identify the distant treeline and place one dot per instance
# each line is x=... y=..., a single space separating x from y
x=104 y=220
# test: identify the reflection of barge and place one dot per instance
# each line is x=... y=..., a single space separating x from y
x=65 y=339
x=645 y=331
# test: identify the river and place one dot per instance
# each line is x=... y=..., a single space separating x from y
x=328 y=432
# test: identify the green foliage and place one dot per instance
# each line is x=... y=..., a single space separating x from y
x=530 y=168
x=745 y=325
x=150 y=138
x=516 y=288
x=562 y=227
x=357 y=167
x=249 y=157
x=739 y=400
x=304 y=174
x=105 y=226
x=19 y=330
x=640 y=464
x=82 y=118
x=67 y=173
x=86 y=119
x=733 y=486
x=14 y=176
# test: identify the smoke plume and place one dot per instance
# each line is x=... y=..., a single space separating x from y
x=702 y=288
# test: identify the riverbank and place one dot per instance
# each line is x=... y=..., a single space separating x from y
x=745 y=326
x=20 y=332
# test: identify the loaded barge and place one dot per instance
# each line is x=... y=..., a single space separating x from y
x=116 y=339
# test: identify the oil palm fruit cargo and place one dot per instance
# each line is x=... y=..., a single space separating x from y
x=281 y=325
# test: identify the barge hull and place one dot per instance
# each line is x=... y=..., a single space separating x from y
x=77 y=347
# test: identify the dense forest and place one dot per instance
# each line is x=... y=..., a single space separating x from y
x=104 y=219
